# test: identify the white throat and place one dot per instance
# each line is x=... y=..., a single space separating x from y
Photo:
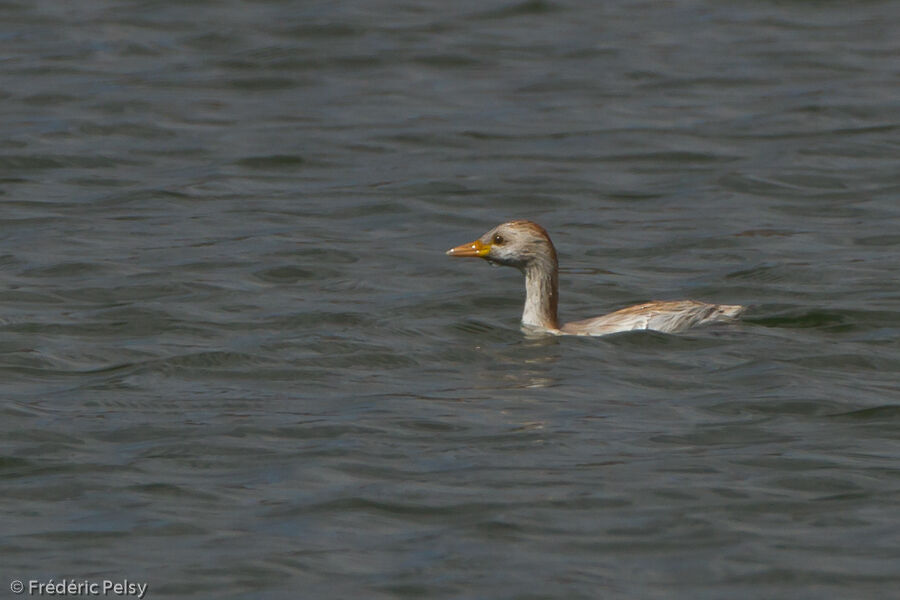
x=540 y=297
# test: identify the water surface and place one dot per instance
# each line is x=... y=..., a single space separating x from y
x=235 y=362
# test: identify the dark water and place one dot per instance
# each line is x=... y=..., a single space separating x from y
x=235 y=362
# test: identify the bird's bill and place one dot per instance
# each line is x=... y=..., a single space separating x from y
x=474 y=249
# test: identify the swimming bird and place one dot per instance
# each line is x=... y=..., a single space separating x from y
x=526 y=246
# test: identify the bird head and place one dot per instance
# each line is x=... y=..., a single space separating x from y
x=517 y=244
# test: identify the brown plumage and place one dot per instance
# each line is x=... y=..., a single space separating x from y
x=526 y=246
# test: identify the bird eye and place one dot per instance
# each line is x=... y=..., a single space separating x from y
x=498 y=239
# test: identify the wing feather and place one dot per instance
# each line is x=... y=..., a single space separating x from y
x=665 y=316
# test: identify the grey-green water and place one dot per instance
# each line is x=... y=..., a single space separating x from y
x=235 y=362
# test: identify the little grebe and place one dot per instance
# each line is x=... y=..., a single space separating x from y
x=526 y=246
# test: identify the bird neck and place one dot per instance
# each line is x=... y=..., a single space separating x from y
x=542 y=292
